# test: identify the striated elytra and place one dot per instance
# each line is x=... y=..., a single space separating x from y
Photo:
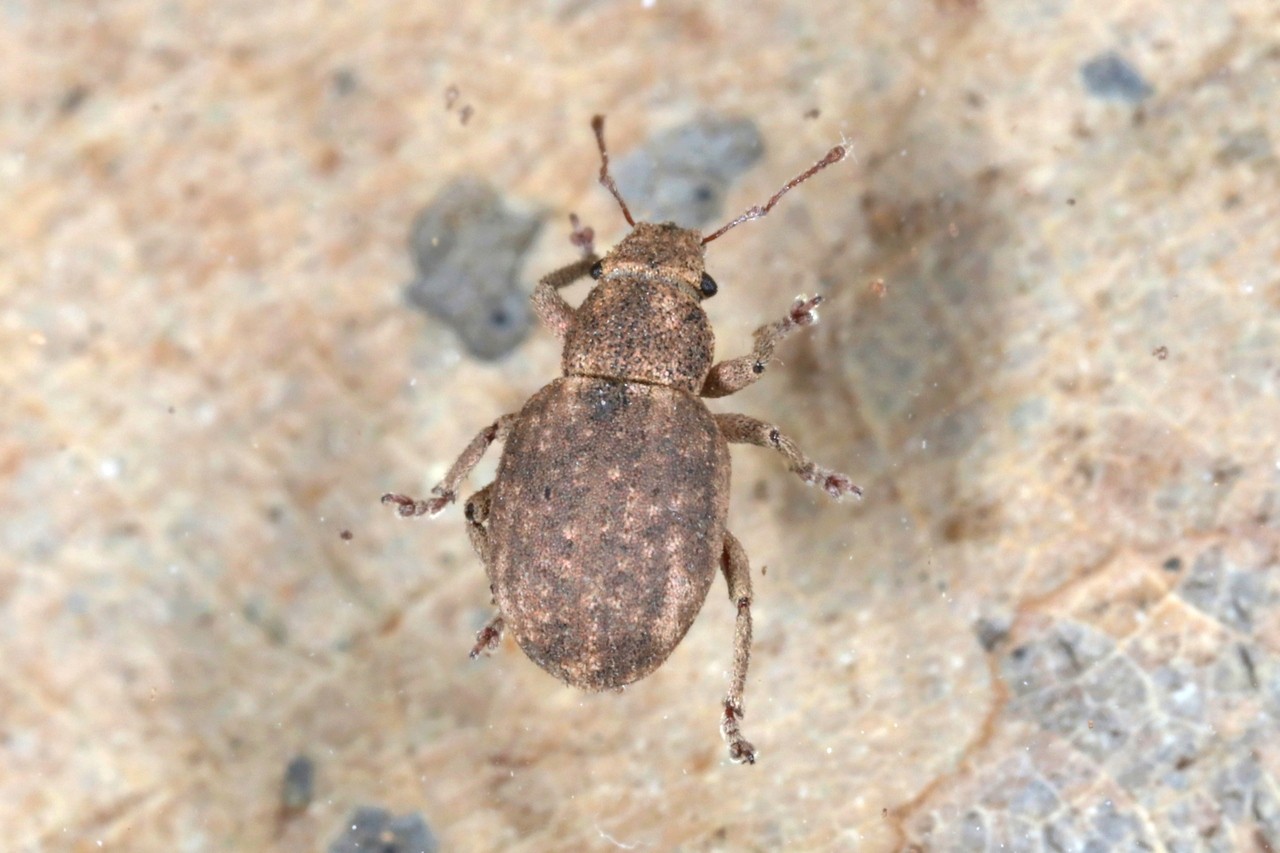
x=605 y=524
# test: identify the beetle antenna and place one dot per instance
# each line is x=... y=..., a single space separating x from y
x=597 y=124
x=835 y=155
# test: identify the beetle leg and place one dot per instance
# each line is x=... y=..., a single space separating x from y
x=489 y=637
x=741 y=429
x=733 y=375
x=446 y=491
x=737 y=572
x=477 y=513
x=549 y=305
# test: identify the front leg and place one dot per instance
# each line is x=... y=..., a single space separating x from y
x=733 y=375
x=549 y=305
x=446 y=491
x=740 y=429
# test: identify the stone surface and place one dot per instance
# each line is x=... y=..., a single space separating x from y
x=1051 y=624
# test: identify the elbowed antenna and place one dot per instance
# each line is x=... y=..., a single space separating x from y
x=835 y=155
x=597 y=124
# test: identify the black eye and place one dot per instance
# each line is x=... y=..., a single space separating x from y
x=709 y=287
x=597 y=270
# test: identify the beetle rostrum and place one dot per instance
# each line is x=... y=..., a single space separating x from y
x=604 y=527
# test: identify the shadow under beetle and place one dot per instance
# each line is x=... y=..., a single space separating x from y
x=603 y=528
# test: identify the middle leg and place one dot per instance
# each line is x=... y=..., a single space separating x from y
x=741 y=429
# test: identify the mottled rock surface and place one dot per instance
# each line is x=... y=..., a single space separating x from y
x=1051 y=624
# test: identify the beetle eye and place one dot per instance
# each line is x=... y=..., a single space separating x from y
x=709 y=287
x=597 y=270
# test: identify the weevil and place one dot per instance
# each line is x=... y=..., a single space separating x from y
x=603 y=529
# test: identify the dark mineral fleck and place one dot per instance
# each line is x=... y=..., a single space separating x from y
x=73 y=98
x=991 y=632
x=683 y=174
x=1110 y=77
x=373 y=830
x=344 y=81
x=468 y=248
x=299 y=784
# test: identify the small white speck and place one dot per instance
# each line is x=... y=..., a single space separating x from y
x=13 y=165
x=110 y=468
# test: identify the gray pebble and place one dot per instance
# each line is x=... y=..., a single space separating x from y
x=374 y=830
x=469 y=248
x=299 y=784
x=682 y=175
x=1111 y=77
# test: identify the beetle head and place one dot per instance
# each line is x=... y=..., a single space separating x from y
x=643 y=321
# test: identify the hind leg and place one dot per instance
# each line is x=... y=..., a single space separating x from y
x=737 y=571
x=477 y=512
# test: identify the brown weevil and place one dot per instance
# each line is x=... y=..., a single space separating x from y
x=602 y=531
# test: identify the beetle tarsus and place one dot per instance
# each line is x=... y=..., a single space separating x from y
x=838 y=485
x=408 y=507
x=488 y=638
x=582 y=236
x=805 y=311
x=740 y=749
x=832 y=482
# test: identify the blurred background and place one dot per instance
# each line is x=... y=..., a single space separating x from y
x=260 y=263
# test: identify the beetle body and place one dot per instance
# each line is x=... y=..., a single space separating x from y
x=606 y=522
x=606 y=526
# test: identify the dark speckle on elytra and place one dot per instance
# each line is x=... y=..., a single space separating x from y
x=1110 y=77
x=468 y=248
x=610 y=397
